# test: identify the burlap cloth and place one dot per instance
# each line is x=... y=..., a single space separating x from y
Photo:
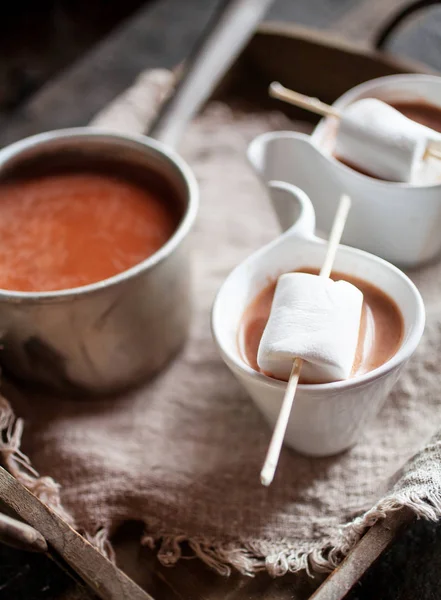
x=183 y=453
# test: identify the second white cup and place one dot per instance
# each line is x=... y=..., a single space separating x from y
x=326 y=418
x=397 y=221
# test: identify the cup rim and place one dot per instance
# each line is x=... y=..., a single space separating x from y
x=404 y=352
x=352 y=95
x=264 y=138
x=170 y=156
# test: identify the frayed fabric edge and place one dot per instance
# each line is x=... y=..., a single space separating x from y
x=45 y=488
x=252 y=558
x=248 y=558
x=19 y=465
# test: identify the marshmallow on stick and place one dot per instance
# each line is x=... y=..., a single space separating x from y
x=380 y=140
x=374 y=136
x=315 y=319
x=272 y=456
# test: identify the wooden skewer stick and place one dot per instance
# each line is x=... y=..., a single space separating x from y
x=272 y=456
x=279 y=91
x=335 y=235
x=433 y=152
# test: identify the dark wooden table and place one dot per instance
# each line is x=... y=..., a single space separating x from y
x=161 y=34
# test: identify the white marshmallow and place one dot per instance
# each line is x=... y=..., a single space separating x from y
x=380 y=140
x=316 y=319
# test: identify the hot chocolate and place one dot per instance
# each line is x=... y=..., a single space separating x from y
x=381 y=329
x=422 y=112
x=69 y=229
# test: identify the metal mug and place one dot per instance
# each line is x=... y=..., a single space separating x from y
x=114 y=333
x=109 y=335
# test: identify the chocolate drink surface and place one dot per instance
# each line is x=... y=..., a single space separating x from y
x=69 y=229
x=381 y=328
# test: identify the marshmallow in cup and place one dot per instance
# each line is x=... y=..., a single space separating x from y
x=316 y=319
x=330 y=417
x=381 y=141
x=399 y=222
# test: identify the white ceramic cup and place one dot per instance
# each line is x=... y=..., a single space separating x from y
x=397 y=221
x=326 y=418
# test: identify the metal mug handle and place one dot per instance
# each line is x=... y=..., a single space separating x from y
x=231 y=26
x=383 y=36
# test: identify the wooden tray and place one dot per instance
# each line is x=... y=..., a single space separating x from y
x=318 y=65
x=314 y=63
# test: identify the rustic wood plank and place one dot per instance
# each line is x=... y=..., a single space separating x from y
x=108 y=582
x=367 y=551
x=341 y=64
